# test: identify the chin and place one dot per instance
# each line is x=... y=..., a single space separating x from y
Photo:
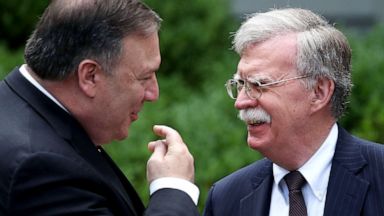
x=123 y=137
x=256 y=143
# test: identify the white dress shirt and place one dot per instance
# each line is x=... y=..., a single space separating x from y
x=168 y=182
x=316 y=171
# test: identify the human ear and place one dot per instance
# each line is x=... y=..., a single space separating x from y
x=322 y=94
x=88 y=73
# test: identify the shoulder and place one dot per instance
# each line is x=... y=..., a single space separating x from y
x=244 y=178
x=60 y=183
x=24 y=135
x=372 y=152
x=226 y=194
x=358 y=149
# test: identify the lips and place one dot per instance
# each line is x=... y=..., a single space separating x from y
x=257 y=127
x=134 y=116
x=135 y=113
x=256 y=122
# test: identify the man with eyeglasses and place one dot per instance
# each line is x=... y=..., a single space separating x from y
x=291 y=86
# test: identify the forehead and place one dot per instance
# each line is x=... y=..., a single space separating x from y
x=272 y=58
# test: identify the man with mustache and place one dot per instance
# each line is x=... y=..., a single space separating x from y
x=90 y=67
x=291 y=86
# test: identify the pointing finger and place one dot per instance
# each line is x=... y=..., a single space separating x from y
x=171 y=135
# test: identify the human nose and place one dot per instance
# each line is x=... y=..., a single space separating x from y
x=243 y=101
x=152 y=91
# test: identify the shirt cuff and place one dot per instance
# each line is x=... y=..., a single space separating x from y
x=175 y=183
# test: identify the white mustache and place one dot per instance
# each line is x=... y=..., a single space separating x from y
x=254 y=115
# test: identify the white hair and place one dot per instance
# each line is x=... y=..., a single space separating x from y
x=322 y=50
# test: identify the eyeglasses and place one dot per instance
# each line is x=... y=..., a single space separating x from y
x=253 y=89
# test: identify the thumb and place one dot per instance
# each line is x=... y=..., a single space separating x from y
x=158 y=148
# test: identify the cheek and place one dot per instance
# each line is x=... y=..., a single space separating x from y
x=135 y=95
x=290 y=106
x=296 y=110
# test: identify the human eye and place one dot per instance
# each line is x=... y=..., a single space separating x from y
x=255 y=85
x=147 y=77
x=239 y=82
x=265 y=82
x=260 y=84
x=256 y=82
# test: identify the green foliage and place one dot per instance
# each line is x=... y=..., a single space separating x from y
x=9 y=59
x=18 y=17
x=194 y=34
x=365 y=116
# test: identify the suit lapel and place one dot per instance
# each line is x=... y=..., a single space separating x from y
x=346 y=191
x=106 y=168
x=258 y=201
x=69 y=129
x=133 y=196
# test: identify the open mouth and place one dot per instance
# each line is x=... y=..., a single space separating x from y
x=256 y=122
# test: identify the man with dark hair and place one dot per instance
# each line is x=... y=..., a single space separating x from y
x=90 y=66
x=291 y=86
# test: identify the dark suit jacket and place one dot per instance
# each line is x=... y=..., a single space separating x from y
x=355 y=184
x=49 y=165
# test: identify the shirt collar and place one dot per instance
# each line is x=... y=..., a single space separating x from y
x=317 y=169
x=23 y=70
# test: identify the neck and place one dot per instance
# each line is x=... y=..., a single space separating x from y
x=299 y=151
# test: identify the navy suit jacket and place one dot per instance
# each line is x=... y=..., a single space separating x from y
x=49 y=165
x=355 y=184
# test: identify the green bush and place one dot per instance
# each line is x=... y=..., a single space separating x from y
x=9 y=59
x=365 y=114
x=18 y=18
x=194 y=35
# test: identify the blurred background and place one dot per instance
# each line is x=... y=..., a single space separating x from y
x=197 y=60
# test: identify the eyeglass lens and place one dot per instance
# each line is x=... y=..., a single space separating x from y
x=233 y=87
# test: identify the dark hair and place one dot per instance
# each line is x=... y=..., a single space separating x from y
x=70 y=31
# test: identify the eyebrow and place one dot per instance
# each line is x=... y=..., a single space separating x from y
x=260 y=78
x=263 y=77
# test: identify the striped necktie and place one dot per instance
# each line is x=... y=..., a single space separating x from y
x=295 y=182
